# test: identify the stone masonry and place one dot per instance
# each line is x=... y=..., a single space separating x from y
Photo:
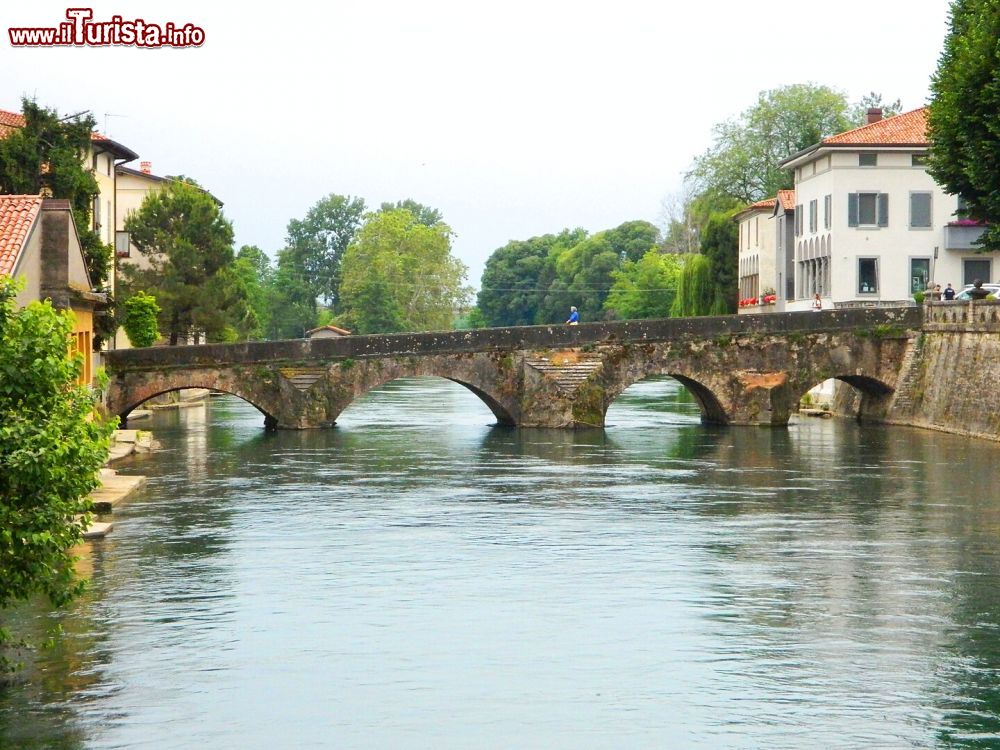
x=748 y=369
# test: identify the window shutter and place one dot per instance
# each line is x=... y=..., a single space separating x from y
x=852 y=210
x=883 y=209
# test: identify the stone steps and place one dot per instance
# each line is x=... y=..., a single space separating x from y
x=302 y=378
x=570 y=375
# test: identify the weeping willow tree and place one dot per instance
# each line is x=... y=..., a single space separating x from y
x=695 y=288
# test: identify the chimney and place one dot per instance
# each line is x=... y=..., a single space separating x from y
x=146 y=167
x=874 y=115
x=55 y=218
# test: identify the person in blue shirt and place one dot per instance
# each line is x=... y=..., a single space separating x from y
x=574 y=317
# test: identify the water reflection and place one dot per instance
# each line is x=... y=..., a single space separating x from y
x=420 y=577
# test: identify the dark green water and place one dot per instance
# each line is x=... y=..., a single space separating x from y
x=416 y=578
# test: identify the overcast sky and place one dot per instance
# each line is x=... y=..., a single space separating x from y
x=513 y=119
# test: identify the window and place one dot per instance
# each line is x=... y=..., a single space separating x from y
x=97 y=213
x=920 y=210
x=976 y=269
x=920 y=274
x=108 y=166
x=93 y=161
x=867 y=275
x=918 y=160
x=798 y=220
x=867 y=160
x=868 y=210
x=827 y=211
x=962 y=208
x=813 y=215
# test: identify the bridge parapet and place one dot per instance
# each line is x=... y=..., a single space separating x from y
x=520 y=338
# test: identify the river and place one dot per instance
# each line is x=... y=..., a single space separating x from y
x=419 y=578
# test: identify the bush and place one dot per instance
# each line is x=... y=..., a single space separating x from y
x=52 y=444
x=141 y=313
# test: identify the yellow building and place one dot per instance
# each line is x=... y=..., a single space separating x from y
x=39 y=242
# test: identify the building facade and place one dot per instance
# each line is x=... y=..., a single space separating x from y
x=39 y=243
x=871 y=226
x=757 y=272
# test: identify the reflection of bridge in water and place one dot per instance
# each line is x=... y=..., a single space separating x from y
x=747 y=369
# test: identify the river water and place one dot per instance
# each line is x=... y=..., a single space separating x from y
x=418 y=578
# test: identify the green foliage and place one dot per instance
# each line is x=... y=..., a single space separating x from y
x=141 y=312
x=247 y=284
x=518 y=275
x=645 y=288
x=720 y=244
x=51 y=446
x=695 y=290
x=399 y=274
x=374 y=308
x=426 y=215
x=472 y=319
x=965 y=139
x=743 y=161
x=918 y=297
x=291 y=303
x=188 y=242
x=317 y=243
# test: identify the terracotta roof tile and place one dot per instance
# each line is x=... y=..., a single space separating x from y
x=787 y=199
x=767 y=203
x=17 y=214
x=907 y=129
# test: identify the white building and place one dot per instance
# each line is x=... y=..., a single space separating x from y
x=871 y=225
x=757 y=254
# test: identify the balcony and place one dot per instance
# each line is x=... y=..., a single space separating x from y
x=962 y=235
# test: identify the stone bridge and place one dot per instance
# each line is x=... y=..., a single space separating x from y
x=747 y=369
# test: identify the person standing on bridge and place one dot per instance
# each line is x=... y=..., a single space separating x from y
x=574 y=317
x=817 y=305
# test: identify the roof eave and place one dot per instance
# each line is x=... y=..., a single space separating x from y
x=114 y=147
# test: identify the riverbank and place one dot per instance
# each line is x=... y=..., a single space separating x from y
x=116 y=488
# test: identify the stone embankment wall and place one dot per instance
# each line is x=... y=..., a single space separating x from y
x=950 y=378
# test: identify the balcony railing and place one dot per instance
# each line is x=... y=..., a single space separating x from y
x=962 y=236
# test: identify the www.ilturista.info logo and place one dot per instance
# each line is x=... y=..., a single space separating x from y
x=81 y=31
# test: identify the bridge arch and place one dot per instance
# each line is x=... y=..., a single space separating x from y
x=476 y=372
x=499 y=410
x=128 y=393
x=712 y=410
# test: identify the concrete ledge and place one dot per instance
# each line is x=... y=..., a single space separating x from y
x=114 y=489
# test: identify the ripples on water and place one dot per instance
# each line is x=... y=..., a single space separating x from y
x=418 y=578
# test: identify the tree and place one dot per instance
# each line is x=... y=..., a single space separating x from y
x=633 y=239
x=188 y=242
x=695 y=290
x=720 y=245
x=291 y=300
x=743 y=162
x=141 y=312
x=426 y=215
x=414 y=268
x=52 y=444
x=645 y=288
x=517 y=277
x=965 y=139
x=247 y=281
x=48 y=154
x=317 y=243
